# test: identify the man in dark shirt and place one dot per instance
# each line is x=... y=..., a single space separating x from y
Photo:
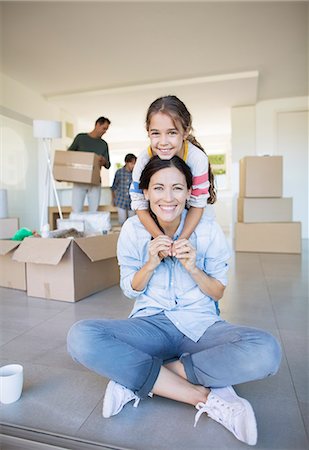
x=91 y=142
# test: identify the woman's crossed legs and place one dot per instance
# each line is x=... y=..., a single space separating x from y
x=135 y=354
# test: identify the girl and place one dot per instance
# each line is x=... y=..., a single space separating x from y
x=174 y=343
x=169 y=127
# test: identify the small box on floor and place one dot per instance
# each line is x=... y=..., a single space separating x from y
x=283 y=237
x=12 y=273
x=69 y=269
x=77 y=167
x=8 y=227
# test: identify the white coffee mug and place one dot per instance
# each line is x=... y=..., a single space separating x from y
x=11 y=383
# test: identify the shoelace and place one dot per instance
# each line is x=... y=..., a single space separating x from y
x=136 y=403
x=137 y=399
x=217 y=410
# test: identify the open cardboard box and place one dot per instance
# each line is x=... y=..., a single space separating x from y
x=69 y=269
x=12 y=273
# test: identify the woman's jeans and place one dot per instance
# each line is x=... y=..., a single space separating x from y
x=132 y=351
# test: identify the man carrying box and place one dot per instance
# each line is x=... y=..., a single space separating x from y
x=90 y=142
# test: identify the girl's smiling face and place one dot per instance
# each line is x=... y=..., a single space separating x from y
x=166 y=140
x=167 y=194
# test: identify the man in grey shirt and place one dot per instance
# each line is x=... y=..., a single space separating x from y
x=90 y=142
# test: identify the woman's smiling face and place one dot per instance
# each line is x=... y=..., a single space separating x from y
x=167 y=194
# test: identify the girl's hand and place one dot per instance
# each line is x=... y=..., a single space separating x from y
x=183 y=250
x=158 y=249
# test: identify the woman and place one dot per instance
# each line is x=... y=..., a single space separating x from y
x=174 y=343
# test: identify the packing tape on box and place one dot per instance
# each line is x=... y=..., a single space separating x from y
x=3 y=204
x=75 y=166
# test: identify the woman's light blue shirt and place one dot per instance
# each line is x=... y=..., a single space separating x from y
x=171 y=288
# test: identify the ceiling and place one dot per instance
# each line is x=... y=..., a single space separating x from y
x=114 y=58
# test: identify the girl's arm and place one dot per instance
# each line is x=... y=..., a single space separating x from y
x=193 y=217
x=148 y=222
x=156 y=247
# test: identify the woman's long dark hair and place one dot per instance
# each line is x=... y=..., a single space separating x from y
x=173 y=107
x=154 y=165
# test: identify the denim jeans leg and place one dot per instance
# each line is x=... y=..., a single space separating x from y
x=122 y=215
x=228 y=354
x=79 y=192
x=94 y=195
x=127 y=351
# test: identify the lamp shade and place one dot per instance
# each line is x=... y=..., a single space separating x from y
x=46 y=129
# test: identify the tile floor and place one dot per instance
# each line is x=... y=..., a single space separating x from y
x=61 y=399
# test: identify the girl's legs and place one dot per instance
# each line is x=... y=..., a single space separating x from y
x=122 y=215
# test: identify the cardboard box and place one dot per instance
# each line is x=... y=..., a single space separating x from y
x=12 y=273
x=8 y=227
x=284 y=237
x=67 y=269
x=78 y=167
x=260 y=176
x=265 y=209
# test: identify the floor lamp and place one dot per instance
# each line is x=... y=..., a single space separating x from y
x=47 y=130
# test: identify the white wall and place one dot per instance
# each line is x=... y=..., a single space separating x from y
x=292 y=144
x=20 y=153
x=19 y=169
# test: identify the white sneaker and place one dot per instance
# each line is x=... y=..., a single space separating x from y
x=233 y=412
x=116 y=396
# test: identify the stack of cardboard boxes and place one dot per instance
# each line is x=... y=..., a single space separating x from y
x=264 y=216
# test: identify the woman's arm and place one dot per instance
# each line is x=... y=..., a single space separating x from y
x=186 y=253
x=210 y=286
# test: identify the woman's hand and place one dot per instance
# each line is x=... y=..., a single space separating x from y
x=159 y=244
x=183 y=250
x=159 y=247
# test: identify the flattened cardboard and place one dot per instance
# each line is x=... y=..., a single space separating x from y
x=8 y=227
x=260 y=176
x=12 y=273
x=251 y=210
x=284 y=237
x=68 y=269
x=77 y=167
x=90 y=247
x=41 y=251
